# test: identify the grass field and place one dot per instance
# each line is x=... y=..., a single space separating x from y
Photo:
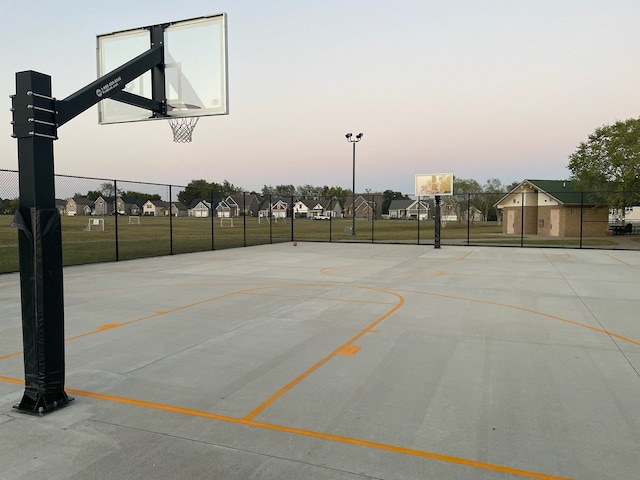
x=156 y=236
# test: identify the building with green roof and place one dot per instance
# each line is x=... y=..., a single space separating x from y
x=552 y=208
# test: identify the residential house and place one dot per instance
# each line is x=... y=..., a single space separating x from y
x=155 y=208
x=278 y=208
x=61 y=205
x=200 y=208
x=632 y=214
x=129 y=206
x=366 y=206
x=551 y=207
x=79 y=206
x=243 y=204
x=223 y=209
x=103 y=206
x=409 y=209
x=331 y=208
x=398 y=208
x=179 y=209
x=124 y=206
x=310 y=208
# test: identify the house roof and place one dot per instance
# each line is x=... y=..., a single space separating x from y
x=196 y=201
x=563 y=191
x=82 y=201
x=400 y=204
x=132 y=200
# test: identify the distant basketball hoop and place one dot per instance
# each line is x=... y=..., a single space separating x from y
x=182 y=128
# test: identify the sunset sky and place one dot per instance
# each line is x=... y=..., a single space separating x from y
x=499 y=88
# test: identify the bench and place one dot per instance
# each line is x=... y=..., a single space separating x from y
x=624 y=229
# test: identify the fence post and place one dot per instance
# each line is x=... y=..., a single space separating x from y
x=213 y=246
x=436 y=238
x=373 y=214
x=522 y=221
x=115 y=214
x=581 y=215
x=270 y=219
x=170 y=224
x=330 y=217
x=468 y=219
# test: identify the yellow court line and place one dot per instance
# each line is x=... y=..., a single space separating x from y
x=9 y=355
x=466 y=255
x=433 y=272
x=311 y=297
x=369 y=328
x=11 y=380
x=310 y=433
x=623 y=262
x=528 y=310
x=249 y=291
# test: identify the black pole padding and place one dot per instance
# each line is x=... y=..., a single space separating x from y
x=40 y=254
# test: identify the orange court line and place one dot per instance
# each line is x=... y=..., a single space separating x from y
x=250 y=291
x=9 y=355
x=623 y=262
x=310 y=433
x=348 y=350
x=529 y=310
x=369 y=328
x=332 y=299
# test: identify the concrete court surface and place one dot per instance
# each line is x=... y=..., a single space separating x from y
x=338 y=361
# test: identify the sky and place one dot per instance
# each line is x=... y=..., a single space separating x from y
x=502 y=89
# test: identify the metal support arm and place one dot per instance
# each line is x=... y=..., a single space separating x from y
x=110 y=86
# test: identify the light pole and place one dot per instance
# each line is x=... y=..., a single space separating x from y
x=353 y=204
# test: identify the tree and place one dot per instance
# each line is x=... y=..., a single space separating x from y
x=309 y=191
x=201 y=189
x=141 y=195
x=8 y=206
x=492 y=191
x=387 y=197
x=609 y=163
x=462 y=198
x=278 y=190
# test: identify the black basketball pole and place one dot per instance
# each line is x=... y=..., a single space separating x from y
x=40 y=246
x=36 y=118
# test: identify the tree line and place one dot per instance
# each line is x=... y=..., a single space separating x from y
x=606 y=164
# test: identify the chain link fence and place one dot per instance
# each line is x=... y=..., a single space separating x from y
x=106 y=220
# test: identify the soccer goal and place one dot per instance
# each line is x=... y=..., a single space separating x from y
x=96 y=224
x=226 y=221
x=134 y=220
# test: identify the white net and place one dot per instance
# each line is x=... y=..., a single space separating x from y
x=182 y=128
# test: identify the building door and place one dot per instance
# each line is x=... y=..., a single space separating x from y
x=555 y=222
x=511 y=215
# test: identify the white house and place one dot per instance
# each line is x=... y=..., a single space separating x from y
x=199 y=209
x=274 y=210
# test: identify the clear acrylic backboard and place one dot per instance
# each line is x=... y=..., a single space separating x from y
x=196 y=78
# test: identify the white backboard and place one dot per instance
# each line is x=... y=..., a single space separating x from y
x=430 y=185
x=196 y=78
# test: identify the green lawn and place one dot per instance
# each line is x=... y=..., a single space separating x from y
x=156 y=236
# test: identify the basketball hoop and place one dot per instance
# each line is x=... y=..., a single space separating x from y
x=182 y=128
